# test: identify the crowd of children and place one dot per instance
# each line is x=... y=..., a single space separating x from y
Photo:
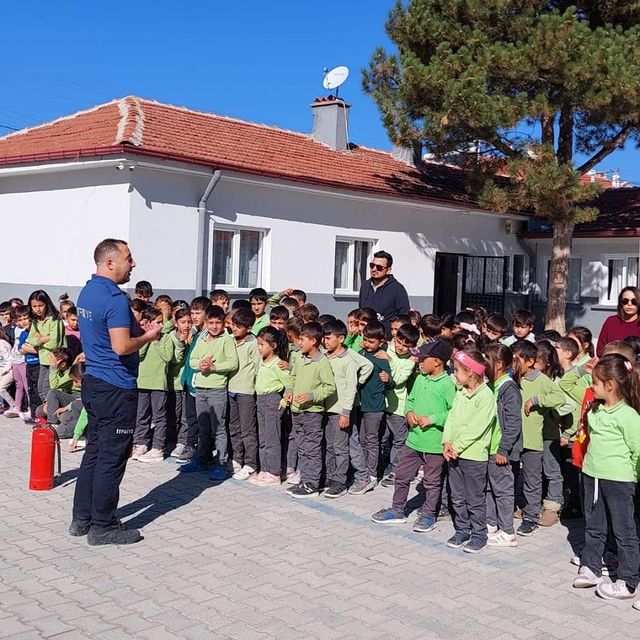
x=494 y=425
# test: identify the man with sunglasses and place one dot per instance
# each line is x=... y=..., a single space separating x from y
x=382 y=292
x=625 y=323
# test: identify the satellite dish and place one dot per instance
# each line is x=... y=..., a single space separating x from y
x=334 y=78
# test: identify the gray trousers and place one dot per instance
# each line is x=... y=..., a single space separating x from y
x=309 y=432
x=69 y=418
x=211 y=408
x=270 y=432
x=397 y=425
x=152 y=407
x=370 y=440
x=356 y=453
x=500 y=496
x=551 y=461
x=408 y=463
x=467 y=484
x=243 y=429
x=57 y=399
x=531 y=470
x=176 y=411
x=291 y=442
x=337 y=459
x=43 y=382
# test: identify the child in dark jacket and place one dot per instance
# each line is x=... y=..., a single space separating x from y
x=372 y=402
x=505 y=448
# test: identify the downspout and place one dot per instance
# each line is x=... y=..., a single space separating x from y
x=202 y=227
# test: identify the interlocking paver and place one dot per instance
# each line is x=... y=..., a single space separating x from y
x=236 y=561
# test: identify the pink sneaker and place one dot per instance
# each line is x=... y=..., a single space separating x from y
x=268 y=480
x=255 y=478
x=138 y=451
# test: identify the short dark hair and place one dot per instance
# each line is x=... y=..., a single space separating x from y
x=408 y=333
x=72 y=311
x=403 y=319
x=150 y=312
x=201 y=303
x=215 y=312
x=290 y=304
x=387 y=256
x=23 y=311
x=325 y=317
x=144 y=288
x=307 y=313
x=525 y=349
x=523 y=318
x=447 y=320
x=243 y=318
x=368 y=314
x=375 y=330
x=497 y=323
x=163 y=297
x=77 y=370
x=106 y=248
x=354 y=313
x=138 y=305
x=182 y=313
x=313 y=330
x=258 y=294
x=549 y=334
x=279 y=313
x=62 y=353
x=569 y=344
x=240 y=304
x=298 y=294
x=216 y=294
x=431 y=325
x=294 y=325
x=335 y=327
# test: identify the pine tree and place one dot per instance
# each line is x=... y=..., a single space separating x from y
x=468 y=73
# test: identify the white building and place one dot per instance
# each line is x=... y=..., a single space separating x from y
x=208 y=201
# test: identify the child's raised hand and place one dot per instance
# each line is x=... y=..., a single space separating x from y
x=384 y=376
x=590 y=365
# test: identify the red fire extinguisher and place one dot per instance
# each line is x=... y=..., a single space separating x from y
x=44 y=446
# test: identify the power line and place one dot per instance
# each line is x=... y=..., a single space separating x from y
x=6 y=126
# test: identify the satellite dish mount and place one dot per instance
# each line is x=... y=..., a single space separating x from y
x=334 y=78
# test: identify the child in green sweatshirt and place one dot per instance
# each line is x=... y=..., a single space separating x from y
x=467 y=439
x=61 y=392
x=214 y=358
x=427 y=408
x=243 y=426
x=148 y=444
x=610 y=474
x=540 y=397
x=312 y=383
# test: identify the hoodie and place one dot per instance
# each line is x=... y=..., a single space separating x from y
x=389 y=300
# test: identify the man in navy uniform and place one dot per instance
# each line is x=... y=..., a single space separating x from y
x=111 y=339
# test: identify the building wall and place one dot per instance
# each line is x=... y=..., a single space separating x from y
x=593 y=308
x=51 y=224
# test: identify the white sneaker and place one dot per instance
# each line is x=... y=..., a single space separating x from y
x=244 y=473
x=139 y=450
x=615 y=591
x=491 y=529
x=12 y=412
x=293 y=477
x=155 y=455
x=502 y=539
x=575 y=560
x=586 y=578
x=179 y=450
x=236 y=466
x=24 y=415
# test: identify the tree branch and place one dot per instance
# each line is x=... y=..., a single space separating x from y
x=504 y=148
x=608 y=147
x=565 y=135
x=548 y=134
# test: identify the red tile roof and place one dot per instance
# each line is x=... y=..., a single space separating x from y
x=135 y=125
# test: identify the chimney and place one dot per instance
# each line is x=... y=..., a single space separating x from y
x=331 y=122
x=408 y=154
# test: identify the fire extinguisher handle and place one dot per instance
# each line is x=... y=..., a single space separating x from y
x=58 y=450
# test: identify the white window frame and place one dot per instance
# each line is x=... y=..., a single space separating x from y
x=546 y=262
x=235 y=257
x=351 y=262
x=625 y=257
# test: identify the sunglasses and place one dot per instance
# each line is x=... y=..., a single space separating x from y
x=376 y=267
x=632 y=301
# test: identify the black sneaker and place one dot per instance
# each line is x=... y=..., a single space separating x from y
x=389 y=481
x=304 y=490
x=475 y=545
x=527 y=528
x=118 y=534
x=79 y=528
x=458 y=539
x=335 y=491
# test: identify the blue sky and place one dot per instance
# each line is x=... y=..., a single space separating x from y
x=252 y=60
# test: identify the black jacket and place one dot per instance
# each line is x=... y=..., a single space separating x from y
x=510 y=420
x=389 y=301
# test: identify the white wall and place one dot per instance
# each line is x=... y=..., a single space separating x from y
x=52 y=222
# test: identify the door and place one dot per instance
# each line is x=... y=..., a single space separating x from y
x=483 y=282
x=445 y=295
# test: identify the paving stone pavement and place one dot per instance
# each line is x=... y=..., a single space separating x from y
x=235 y=561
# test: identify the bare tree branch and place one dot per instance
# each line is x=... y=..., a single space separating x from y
x=608 y=147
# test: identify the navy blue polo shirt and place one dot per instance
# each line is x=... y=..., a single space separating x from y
x=103 y=306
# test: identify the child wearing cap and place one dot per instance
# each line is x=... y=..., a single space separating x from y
x=426 y=408
x=467 y=438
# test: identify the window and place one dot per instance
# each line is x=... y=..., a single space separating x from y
x=519 y=279
x=622 y=271
x=237 y=258
x=574 y=279
x=485 y=274
x=351 y=264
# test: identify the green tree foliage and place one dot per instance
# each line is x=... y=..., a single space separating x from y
x=467 y=73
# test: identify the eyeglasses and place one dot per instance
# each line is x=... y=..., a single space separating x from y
x=632 y=301
x=376 y=267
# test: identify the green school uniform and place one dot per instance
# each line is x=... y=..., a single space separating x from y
x=402 y=371
x=60 y=380
x=243 y=379
x=52 y=328
x=260 y=323
x=222 y=349
x=154 y=362
x=312 y=376
x=270 y=378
